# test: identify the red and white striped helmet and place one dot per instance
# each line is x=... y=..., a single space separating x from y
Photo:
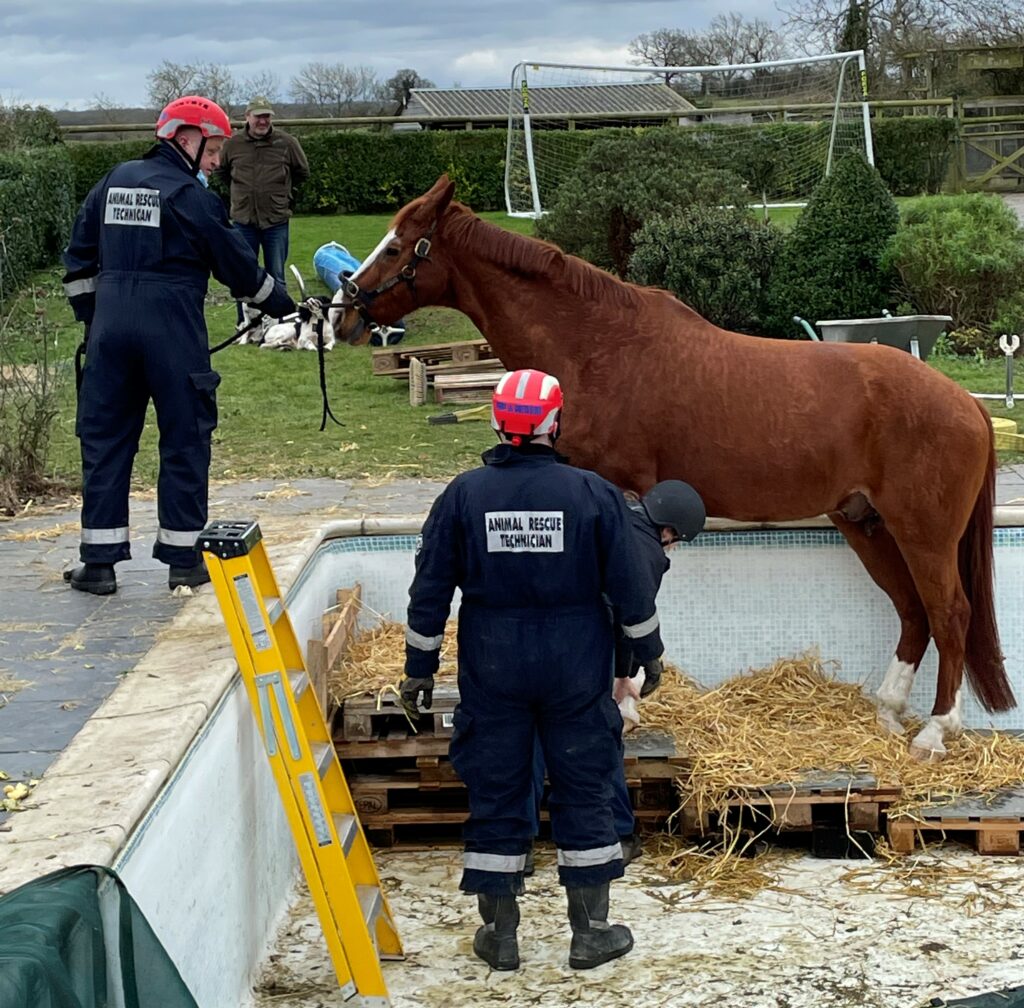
x=526 y=403
x=193 y=110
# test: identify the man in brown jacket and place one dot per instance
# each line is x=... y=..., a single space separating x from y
x=262 y=166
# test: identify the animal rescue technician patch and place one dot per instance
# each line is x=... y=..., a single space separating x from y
x=524 y=531
x=133 y=206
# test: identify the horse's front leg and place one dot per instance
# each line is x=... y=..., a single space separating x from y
x=929 y=743
x=893 y=695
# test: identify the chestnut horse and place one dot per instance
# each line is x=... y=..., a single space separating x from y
x=897 y=455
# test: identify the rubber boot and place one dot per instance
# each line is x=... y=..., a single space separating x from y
x=191 y=577
x=496 y=941
x=97 y=579
x=594 y=940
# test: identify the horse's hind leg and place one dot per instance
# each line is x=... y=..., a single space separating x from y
x=881 y=556
x=937 y=575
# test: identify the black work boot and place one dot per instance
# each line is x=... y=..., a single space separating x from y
x=190 y=577
x=97 y=579
x=594 y=940
x=496 y=942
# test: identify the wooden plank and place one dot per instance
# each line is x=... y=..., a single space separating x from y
x=349 y=601
x=316 y=669
x=444 y=368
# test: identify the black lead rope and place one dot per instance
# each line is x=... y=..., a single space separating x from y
x=239 y=333
x=323 y=377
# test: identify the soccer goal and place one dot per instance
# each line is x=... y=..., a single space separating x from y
x=781 y=125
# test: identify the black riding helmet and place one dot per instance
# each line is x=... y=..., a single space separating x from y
x=677 y=505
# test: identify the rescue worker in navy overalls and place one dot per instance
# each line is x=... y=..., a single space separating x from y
x=536 y=547
x=138 y=264
x=670 y=512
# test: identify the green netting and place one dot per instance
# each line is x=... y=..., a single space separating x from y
x=76 y=939
x=1012 y=997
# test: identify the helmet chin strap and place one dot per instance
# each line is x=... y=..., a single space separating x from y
x=192 y=162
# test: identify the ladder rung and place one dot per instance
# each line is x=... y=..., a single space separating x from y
x=370 y=903
x=346 y=826
x=299 y=682
x=323 y=754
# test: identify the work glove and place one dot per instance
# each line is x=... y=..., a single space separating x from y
x=652 y=680
x=410 y=690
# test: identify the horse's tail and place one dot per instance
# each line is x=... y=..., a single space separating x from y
x=983 y=655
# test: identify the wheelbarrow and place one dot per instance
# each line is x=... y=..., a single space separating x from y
x=914 y=333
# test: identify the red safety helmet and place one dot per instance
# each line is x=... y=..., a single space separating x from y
x=193 y=110
x=526 y=403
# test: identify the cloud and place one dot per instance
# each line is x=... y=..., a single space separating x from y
x=64 y=52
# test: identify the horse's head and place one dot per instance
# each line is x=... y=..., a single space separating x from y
x=399 y=275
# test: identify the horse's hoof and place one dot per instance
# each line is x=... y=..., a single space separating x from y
x=925 y=754
x=888 y=721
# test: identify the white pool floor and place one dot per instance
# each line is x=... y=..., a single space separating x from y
x=816 y=940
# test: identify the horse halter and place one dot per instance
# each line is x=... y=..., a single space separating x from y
x=353 y=296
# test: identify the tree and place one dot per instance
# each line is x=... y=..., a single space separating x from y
x=266 y=84
x=890 y=28
x=172 y=80
x=332 y=89
x=399 y=87
x=735 y=39
x=730 y=38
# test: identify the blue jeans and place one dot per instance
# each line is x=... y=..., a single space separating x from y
x=274 y=242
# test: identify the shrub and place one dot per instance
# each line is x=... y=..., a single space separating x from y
x=831 y=263
x=92 y=160
x=626 y=179
x=30 y=382
x=912 y=152
x=717 y=260
x=359 y=172
x=36 y=212
x=23 y=126
x=958 y=255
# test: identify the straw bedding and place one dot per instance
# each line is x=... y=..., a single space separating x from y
x=761 y=728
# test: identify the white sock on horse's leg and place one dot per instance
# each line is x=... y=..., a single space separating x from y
x=929 y=744
x=893 y=694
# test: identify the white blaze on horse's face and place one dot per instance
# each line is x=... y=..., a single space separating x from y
x=371 y=258
x=339 y=294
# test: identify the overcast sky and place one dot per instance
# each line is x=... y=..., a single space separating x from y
x=63 y=53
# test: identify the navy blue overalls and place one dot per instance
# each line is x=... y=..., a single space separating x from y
x=653 y=565
x=143 y=246
x=536 y=548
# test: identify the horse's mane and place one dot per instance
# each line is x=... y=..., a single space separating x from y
x=533 y=257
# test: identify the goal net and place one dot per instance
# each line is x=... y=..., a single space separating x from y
x=780 y=125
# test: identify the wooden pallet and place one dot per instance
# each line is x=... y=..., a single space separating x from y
x=438 y=357
x=854 y=802
x=367 y=718
x=473 y=386
x=992 y=827
x=406 y=785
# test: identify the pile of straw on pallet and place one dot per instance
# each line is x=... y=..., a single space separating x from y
x=757 y=730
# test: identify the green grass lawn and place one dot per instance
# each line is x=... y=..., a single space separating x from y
x=270 y=400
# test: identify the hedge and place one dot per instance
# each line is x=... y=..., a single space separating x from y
x=912 y=153
x=355 y=171
x=92 y=160
x=37 y=208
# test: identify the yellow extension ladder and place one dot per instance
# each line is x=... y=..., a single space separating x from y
x=332 y=847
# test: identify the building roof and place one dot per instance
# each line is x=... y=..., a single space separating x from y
x=576 y=100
